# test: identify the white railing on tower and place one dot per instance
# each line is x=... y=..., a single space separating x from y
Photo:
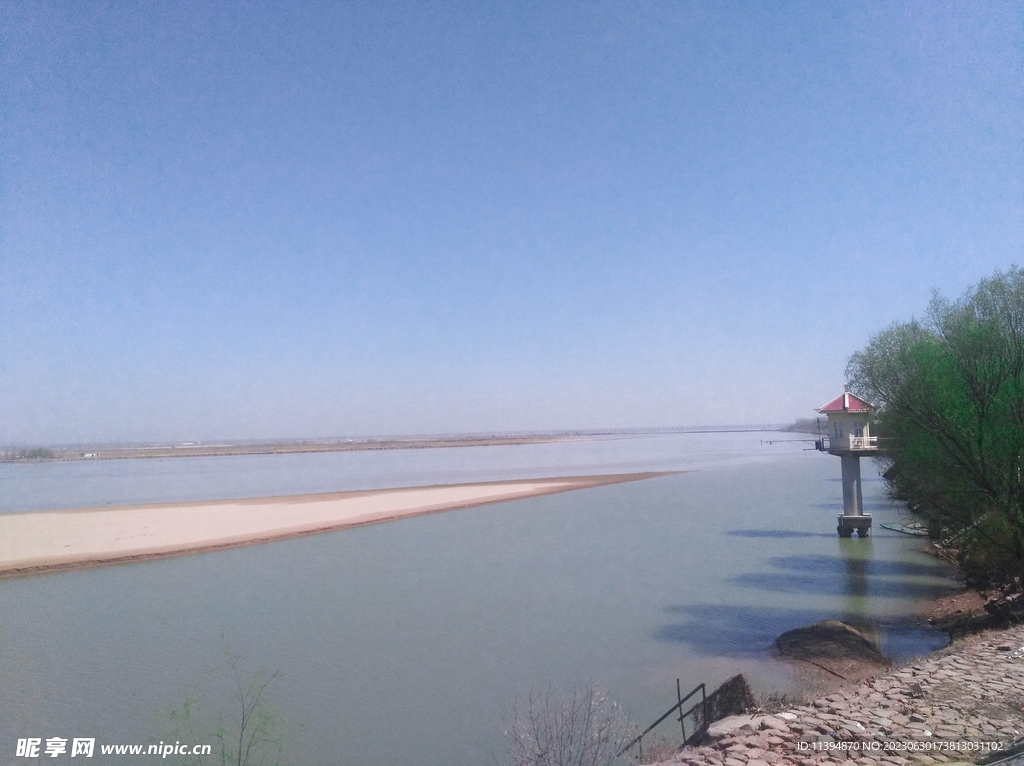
x=863 y=442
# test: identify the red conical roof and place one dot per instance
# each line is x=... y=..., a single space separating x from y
x=847 y=402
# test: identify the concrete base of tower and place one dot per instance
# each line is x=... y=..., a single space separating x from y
x=861 y=524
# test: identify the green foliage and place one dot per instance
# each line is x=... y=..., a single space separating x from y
x=38 y=453
x=247 y=732
x=808 y=426
x=951 y=394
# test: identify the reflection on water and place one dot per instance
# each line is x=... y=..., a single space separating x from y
x=857 y=557
x=775 y=533
x=403 y=642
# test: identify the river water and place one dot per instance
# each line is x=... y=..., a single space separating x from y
x=404 y=642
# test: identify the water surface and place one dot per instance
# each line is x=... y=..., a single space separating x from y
x=403 y=642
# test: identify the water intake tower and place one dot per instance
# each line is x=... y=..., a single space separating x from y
x=849 y=437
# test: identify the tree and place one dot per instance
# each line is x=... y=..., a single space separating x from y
x=950 y=392
x=584 y=729
x=245 y=734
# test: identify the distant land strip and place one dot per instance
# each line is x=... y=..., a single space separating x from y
x=283 y=447
x=49 y=541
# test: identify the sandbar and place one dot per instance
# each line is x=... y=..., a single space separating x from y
x=43 y=541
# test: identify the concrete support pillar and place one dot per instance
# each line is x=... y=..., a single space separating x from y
x=853 y=502
x=853 y=519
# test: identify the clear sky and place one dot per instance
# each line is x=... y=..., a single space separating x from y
x=285 y=219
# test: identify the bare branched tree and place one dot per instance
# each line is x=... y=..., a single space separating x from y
x=583 y=729
x=247 y=730
x=257 y=744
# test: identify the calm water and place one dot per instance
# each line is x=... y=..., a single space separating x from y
x=402 y=643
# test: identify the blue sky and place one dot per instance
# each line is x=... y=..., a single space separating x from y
x=282 y=219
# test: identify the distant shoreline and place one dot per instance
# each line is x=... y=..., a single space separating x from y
x=280 y=448
x=48 y=541
x=301 y=446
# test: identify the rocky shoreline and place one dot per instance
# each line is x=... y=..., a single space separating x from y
x=961 y=704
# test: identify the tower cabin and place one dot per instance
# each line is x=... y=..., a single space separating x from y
x=849 y=437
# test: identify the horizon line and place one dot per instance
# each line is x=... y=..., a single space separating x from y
x=369 y=438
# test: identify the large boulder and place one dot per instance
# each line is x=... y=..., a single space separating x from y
x=734 y=697
x=839 y=648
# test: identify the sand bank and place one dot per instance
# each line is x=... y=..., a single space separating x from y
x=86 y=537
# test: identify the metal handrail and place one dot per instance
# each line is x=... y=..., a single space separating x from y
x=863 y=442
x=703 y=704
x=826 y=443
